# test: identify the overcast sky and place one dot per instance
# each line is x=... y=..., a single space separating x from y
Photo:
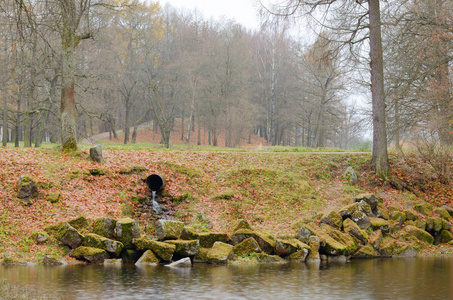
x=243 y=11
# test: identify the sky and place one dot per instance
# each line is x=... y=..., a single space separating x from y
x=243 y=11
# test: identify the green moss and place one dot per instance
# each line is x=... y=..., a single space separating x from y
x=420 y=234
x=185 y=248
x=220 y=253
x=443 y=213
x=163 y=250
x=148 y=258
x=246 y=247
x=366 y=251
x=53 y=197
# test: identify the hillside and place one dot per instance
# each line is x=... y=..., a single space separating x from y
x=273 y=191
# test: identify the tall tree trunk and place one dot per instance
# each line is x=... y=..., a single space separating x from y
x=379 y=160
x=5 y=95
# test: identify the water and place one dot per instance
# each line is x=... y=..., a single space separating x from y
x=420 y=278
x=156 y=207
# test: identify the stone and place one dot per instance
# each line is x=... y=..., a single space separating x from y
x=53 y=197
x=380 y=224
x=92 y=255
x=299 y=256
x=96 y=153
x=314 y=243
x=347 y=242
x=207 y=239
x=370 y=199
x=168 y=229
x=411 y=214
x=304 y=234
x=267 y=258
x=424 y=208
x=185 y=248
x=420 y=234
x=130 y=256
x=420 y=224
x=202 y=256
x=26 y=188
x=285 y=248
x=381 y=211
x=97 y=241
x=443 y=213
x=434 y=225
x=354 y=230
x=333 y=218
x=337 y=259
x=350 y=175
x=219 y=253
x=148 y=258
x=105 y=227
x=246 y=247
x=65 y=234
x=393 y=207
x=79 y=223
x=266 y=243
x=375 y=238
x=361 y=219
x=113 y=262
x=12 y=261
x=53 y=260
x=163 y=250
x=395 y=215
x=366 y=208
x=126 y=230
x=239 y=224
x=445 y=237
x=366 y=251
x=448 y=208
x=348 y=210
x=182 y=263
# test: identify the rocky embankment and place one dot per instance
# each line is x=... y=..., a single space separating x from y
x=363 y=229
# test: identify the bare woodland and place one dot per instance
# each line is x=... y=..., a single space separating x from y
x=74 y=68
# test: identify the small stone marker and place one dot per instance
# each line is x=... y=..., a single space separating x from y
x=96 y=153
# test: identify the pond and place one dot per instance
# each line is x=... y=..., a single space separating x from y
x=415 y=278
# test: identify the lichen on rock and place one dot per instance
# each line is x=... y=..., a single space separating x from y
x=168 y=229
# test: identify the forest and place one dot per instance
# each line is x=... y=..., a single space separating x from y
x=74 y=68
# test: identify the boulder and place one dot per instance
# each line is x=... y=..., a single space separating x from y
x=348 y=210
x=449 y=209
x=393 y=207
x=333 y=218
x=238 y=224
x=420 y=234
x=53 y=260
x=375 y=238
x=96 y=241
x=246 y=247
x=434 y=225
x=354 y=230
x=148 y=258
x=26 y=188
x=92 y=255
x=380 y=224
x=185 y=248
x=285 y=248
x=420 y=224
x=424 y=208
x=182 y=263
x=202 y=256
x=314 y=242
x=65 y=234
x=126 y=230
x=168 y=229
x=266 y=243
x=105 y=227
x=350 y=175
x=366 y=251
x=395 y=215
x=443 y=213
x=381 y=211
x=361 y=219
x=163 y=250
x=366 y=208
x=80 y=223
x=348 y=245
x=299 y=256
x=207 y=239
x=304 y=233
x=130 y=256
x=369 y=199
x=411 y=214
x=445 y=236
x=53 y=197
x=219 y=253
x=96 y=153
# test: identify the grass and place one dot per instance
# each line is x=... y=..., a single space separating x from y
x=12 y=292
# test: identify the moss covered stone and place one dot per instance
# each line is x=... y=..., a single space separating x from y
x=314 y=242
x=299 y=256
x=411 y=214
x=434 y=225
x=366 y=251
x=346 y=241
x=380 y=224
x=333 y=218
x=207 y=239
x=105 y=227
x=420 y=234
x=53 y=197
x=185 y=248
x=381 y=211
x=163 y=250
x=443 y=213
x=202 y=256
x=98 y=241
x=26 y=188
x=354 y=230
x=126 y=230
x=130 y=255
x=420 y=224
x=66 y=234
x=93 y=255
x=369 y=199
x=347 y=211
x=266 y=243
x=387 y=246
x=288 y=247
x=53 y=260
x=246 y=247
x=220 y=253
x=398 y=215
x=168 y=229
x=148 y=258
x=267 y=258
x=424 y=208
x=80 y=223
x=361 y=219
x=238 y=224
x=375 y=238
x=11 y=261
x=445 y=236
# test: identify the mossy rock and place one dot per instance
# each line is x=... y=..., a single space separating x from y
x=97 y=241
x=53 y=260
x=148 y=258
x=66 y=234
x=443 y=213
x=80 y=223
x=185 y=248
x=97 y=172
x=53 y=197
x=394 y=207
x=11 y=261
x=361 y=219
x=202 y=256
x=163 y=250
x=207 y=239
x=387 y=246
x=105 y=227
x=127 y=230
x=354 y=230
x=381 y=211
x=398 y=215
x=434 y=225
x=424 y=208
x=420 y=224
x=237 y=225
x=333 y=218
x=445 y=236
x=343 y=238
x=375 y=238
x=350 y=176
x=92 y=255
x=266 y=243
x=366 y=251
x=270 y=259
x=420 y=234
x=348 y=210
x=220 y=253
x=130 y=255
x=288 y=247
x=26 y=188
x=411 y=214
x=378 y=223
x=299 y=256
x=369 y=199
x=168 y=229
x=247 y=247
x=315 y=243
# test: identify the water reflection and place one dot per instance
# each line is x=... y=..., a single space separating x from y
x=421 y=278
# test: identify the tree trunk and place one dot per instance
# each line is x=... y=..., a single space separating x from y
x=379 y=160
x=5 y=95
